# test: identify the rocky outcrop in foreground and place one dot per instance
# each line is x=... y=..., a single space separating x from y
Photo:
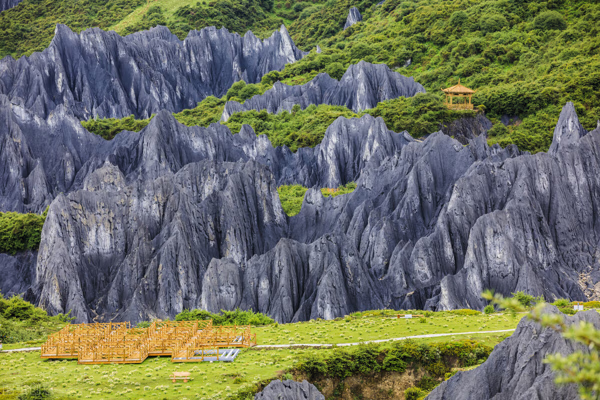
x=353 y=17
x=515 y=370
x=289 y=390
x=101 y=74
x=467 y=128
x=363 y=86
x=8 y=4
x=176 y=217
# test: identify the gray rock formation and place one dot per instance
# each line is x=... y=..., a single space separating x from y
x=8 y=4
x=18 y=273
x=467 y=128
x=101 y=74
x=568 y=129
x=515 y=369
x=289 y=390
x=174 y=217
x=353 y=17
x=363 y=86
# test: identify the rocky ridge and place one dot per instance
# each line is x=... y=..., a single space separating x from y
x=362 y=86
x=101 y=74
x=515 y=369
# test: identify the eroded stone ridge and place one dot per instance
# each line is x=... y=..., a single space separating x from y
x=515 y=370
x=101 y=74
x=289 y=390
x=363 y=86
x=176 y=217
x=8 y=4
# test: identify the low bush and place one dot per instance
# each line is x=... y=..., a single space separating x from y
x=526 y=299
x=489 y=309
x=464 y=311
x=592 y=304
x=413 y=393
x=561 y=303
x=235 y=317
x=20 y=232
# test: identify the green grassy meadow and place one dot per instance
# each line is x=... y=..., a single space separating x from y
x=149 y=380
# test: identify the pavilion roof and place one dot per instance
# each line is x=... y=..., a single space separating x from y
x=458 y=89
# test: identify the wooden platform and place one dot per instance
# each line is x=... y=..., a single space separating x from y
x=117 y=343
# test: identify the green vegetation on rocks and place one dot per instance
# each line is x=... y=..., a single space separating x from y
x=20 y=232
x=292 y=196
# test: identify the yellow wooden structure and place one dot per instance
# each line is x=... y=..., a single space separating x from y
x=458 y=97
x=118 y=343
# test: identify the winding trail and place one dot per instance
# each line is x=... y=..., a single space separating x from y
x=284 y=346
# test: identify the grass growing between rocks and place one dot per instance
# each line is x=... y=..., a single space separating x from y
x=292 y=196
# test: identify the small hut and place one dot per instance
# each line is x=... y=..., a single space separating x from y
x=458 y=97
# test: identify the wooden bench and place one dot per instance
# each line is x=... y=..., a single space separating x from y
x=185 y=376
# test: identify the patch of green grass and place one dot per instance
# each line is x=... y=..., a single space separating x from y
x=292 y=196
x=385 y=326
x=20 y=232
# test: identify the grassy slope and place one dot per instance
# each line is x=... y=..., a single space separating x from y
x=497 y=47
x=69 y=380
x=292 y=196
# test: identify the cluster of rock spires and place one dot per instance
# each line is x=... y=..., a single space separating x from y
x=354 y=17
x=176 y=217
x=101 y=74
x=515 y=370
x=363 y=86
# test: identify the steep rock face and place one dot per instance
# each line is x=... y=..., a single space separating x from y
x=8 y=4
x=289 y=390
x=18 y=273
x=515 y=369
x=101 y=74
x=140 y=251
x=363 y=86
x=467 y=128
x=353 y=18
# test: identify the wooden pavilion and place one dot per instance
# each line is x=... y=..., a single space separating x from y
x=458 y=97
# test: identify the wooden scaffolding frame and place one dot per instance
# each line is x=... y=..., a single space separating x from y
x=117 y=343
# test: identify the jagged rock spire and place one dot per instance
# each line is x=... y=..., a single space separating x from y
x=353 y=17
x=568 y=129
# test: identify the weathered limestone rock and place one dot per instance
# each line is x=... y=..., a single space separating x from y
x=353 y=17
x=515 y=370
x=289 y=390
x=8 y=4
x=101 y=74
x=467 y=128
x=363 y=86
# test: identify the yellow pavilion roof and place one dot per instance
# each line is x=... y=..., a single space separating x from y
x=458 y=89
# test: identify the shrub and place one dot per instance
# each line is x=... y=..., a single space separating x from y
x=561 y=303
x=592 y=304
x=526 y=300
x=20 y=232
x=393 y=362
x=39 y=393
x=489 y=309
x=550 y=20
x=428 y=314
x=422 y=320
x=464 y=311
x=493 y=23
x=412 y=393
x=335 y=70
x=498 y=129
x=235 y=317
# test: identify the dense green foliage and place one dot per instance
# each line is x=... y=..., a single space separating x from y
x=435 y=358
x=235 y=317
x=522 y=60
x=489 y=309
x=20 y=232
x=419 y=115
x=109 y=127
x=292 y=196
x=22 y=321
x=29 y=26
x=236 y=16
x=207 y=112
x=300 y=128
